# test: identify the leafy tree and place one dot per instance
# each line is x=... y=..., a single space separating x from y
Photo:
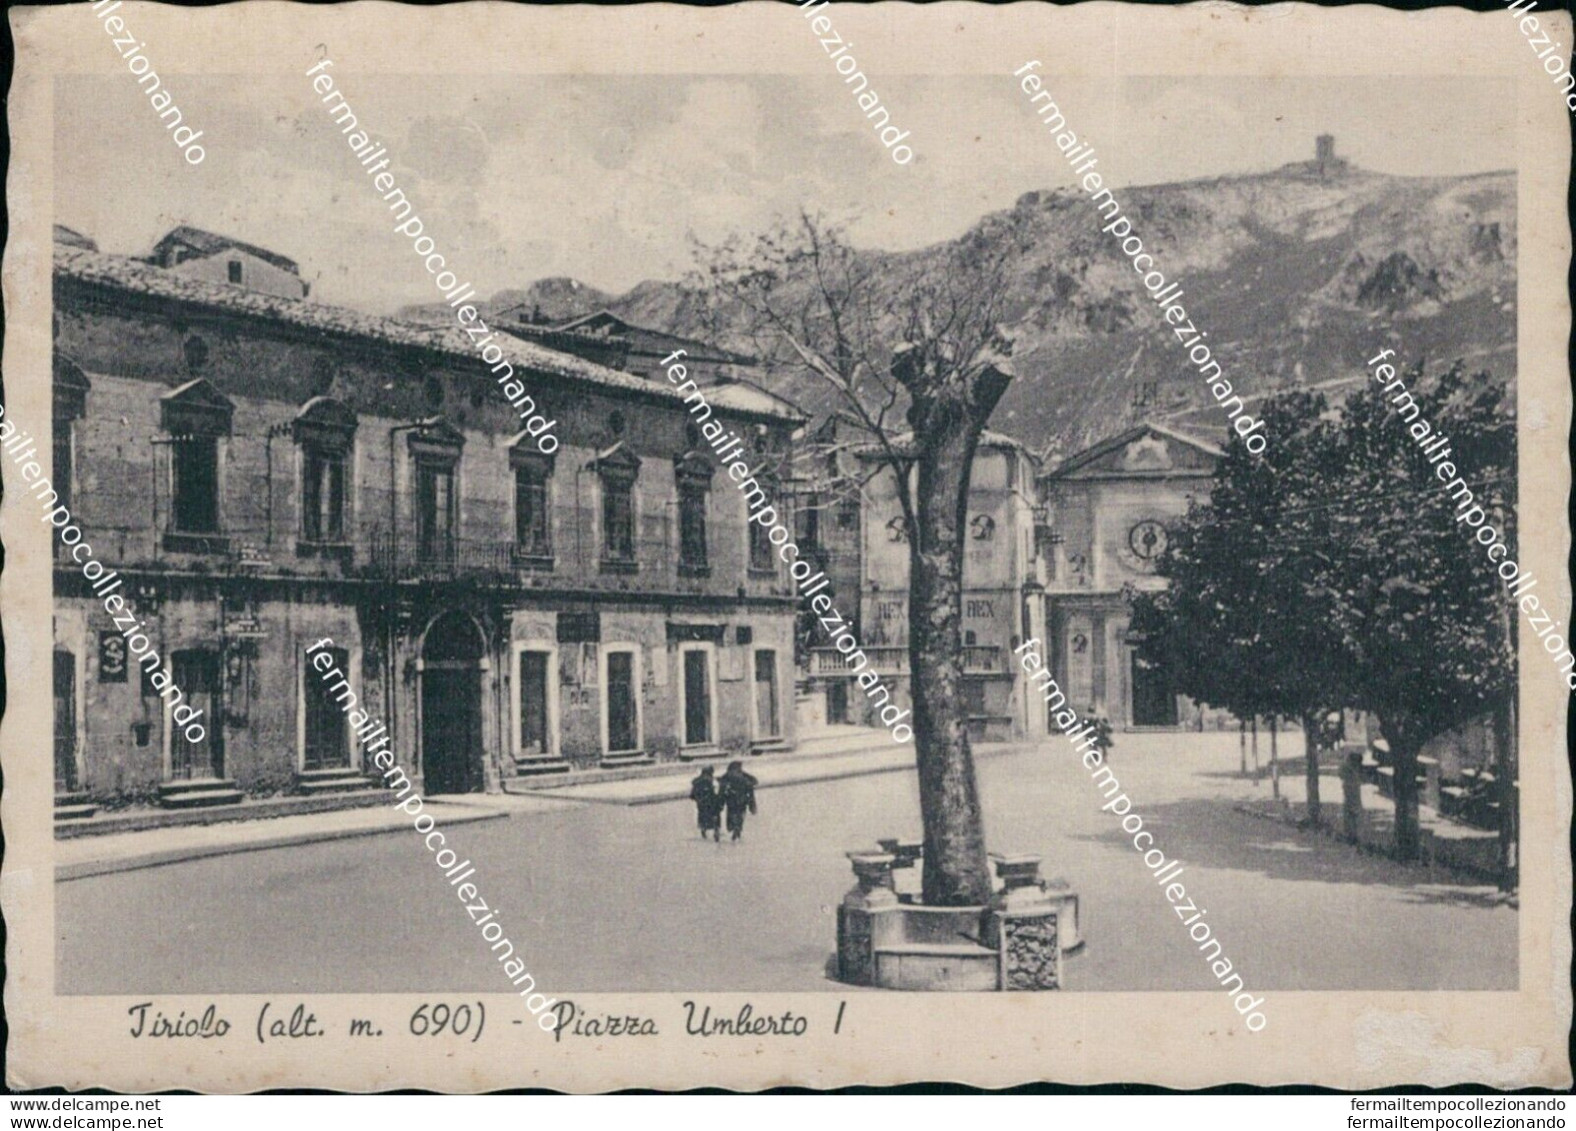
x=913 y=349
x=1332 y=572
x=1245 y=623
x=1419 y=603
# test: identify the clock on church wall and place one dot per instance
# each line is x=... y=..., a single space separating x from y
x=1146 y=541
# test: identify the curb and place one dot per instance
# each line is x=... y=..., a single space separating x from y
x=87 y=868
x=267 y=809
x=677 y=793
x=1458 y=870
x=518 y=786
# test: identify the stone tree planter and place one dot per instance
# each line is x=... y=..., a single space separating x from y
x=862 y=917
x=1023 y=926
x=894 y=941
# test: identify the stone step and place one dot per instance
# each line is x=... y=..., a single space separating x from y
x=842 y=739
x=611 y=761
x=75 y=797
x=73 y=812
x=539 y=767
x=961 y=967
x=197 y=785
x=339 y=781
x=199 y=794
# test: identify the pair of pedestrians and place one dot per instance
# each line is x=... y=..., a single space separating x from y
x=733 y=792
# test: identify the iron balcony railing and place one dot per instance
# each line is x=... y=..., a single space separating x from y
x=445 y=560
x=978 y=659
x=654 y=566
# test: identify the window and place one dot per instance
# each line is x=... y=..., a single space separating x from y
x=692 y=474
x=196 y=485
x=692 y=527
x=618 y=469
x=435 y=511
x=848 y=514
x=535 y=690
x=196 y=418
x=325 y=744
x=618 y=518
x=235 y=270
x=760 y=549
x=531 y=527
x=326 y=433
x=808 y=527
x=62 y=460
x=70 y=388
x=323 y=496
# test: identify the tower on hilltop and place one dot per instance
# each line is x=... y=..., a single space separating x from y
x=1324 y=153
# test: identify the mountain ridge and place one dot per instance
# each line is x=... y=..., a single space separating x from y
x=1294 y=272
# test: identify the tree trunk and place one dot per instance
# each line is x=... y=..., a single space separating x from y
x=1254 y=724
x=1311 y=734
x=1274 y=760
x=1242 y=746
x=1403 y=758
x=956 y=871
x=1505 y=788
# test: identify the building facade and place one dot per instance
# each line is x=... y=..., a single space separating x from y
x=1002 y=582
x=265 y=473
x=1107 y=510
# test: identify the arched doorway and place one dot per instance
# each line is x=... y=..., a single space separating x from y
x=451 y=705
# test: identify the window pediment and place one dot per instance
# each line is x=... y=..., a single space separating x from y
x=196 y=408
x=524 y=452
x=325 y=423
x=616 y=462
x=693 y=469
x=436 y=439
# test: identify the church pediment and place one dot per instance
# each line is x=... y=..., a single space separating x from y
x=1147 y=451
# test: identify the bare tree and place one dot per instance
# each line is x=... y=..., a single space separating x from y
x=914 y=350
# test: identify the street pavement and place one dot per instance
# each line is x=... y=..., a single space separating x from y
x=605 y=897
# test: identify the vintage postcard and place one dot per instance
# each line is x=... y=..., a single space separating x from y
x=786 y=544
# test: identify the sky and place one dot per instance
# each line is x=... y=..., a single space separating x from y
x=609 y=179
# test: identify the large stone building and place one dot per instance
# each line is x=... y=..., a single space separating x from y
x=266 y=473
x=1048 y=555
x=1108 y=509
x=1002 y=582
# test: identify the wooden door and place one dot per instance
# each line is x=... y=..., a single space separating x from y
x=766 y=720
x=196 y=673
x=451 y=728
x=697 y=698
x=622 y=729
x=65 y=722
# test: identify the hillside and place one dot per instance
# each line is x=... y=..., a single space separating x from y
x=1296 y=276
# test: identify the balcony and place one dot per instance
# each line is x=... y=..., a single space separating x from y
x=457 y=560
x=576 y=563
x=985 y=659
x=978 y=660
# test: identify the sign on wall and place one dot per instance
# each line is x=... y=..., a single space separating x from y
x=112 y=657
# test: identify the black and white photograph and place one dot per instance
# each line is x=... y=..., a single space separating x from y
x=765 y=549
